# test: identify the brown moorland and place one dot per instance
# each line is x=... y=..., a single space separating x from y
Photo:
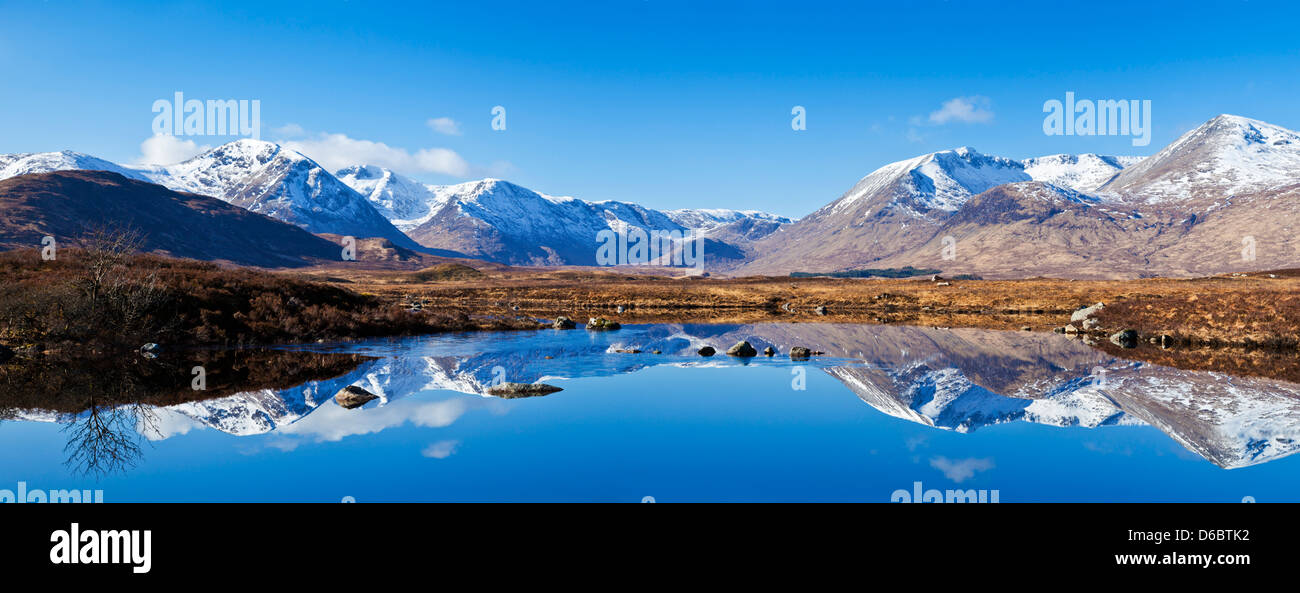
x=1254 y=311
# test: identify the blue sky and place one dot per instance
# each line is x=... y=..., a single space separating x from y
x=671 y=104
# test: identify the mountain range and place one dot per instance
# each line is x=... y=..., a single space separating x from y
x=1193 y=208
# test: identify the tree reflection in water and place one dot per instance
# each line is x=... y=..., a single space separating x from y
x=108 y=406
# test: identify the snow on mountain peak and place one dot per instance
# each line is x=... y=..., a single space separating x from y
x=13 y=165
x=1225 y=156
x=941 y=180
x=269 y=179
x=1080 y=172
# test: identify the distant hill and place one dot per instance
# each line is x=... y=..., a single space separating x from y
x=69 y=205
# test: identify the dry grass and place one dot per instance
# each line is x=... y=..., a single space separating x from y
x=1255 y=311
x=59 y=307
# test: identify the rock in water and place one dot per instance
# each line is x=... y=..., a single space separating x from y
x=800 y=352
x=1125 y=339
x=563 y=322
x=769 y=351
x=1087 y=312
x=707 y=351
x=601 y=324
x=353 y=397
x=742 y=348
x=517 y=390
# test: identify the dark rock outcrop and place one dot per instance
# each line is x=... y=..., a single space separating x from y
x=353 y=397
x=742 y=349
x=517 y=390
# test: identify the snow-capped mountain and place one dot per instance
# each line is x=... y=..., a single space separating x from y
x=405 y=202
x=710 y=218
x=937 y=181
x=1181 y=212
x=259 y=176
x=281 y=183
x=508 y=223
x=890 y=211
x=1227 y=156
x=13 y=165
x=1080 y=172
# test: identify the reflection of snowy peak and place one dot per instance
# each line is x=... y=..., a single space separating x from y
x=1232 y=421
x=957 y=380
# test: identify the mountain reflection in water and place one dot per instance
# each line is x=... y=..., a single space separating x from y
x=950 y=379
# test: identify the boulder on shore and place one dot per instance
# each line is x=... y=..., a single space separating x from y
x=743 y=349
x=1070 y=329
x=1125 y=339
x=1086 y=312
x=707 y=351
x=517 y=390
x=819 y=309
x=563 y=322
x=353 y=397
x=602 y=324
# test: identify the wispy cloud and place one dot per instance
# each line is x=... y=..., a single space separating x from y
x=440 y=449
x=444 y=125
x=290 y=130
x=959 y=470
x=336 y=151
x=967 y=110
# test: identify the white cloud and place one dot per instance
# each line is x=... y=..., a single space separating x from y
x=444 y=125
x=165 y=149
x=959 y=470
x=970 y=110
x=336 y=151
x=440 y=449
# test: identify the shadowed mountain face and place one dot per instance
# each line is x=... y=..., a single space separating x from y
x=69 y=204
x=959 y=380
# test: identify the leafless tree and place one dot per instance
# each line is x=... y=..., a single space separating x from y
x=103 y=440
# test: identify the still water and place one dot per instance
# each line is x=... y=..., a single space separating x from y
x=1030 y=417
